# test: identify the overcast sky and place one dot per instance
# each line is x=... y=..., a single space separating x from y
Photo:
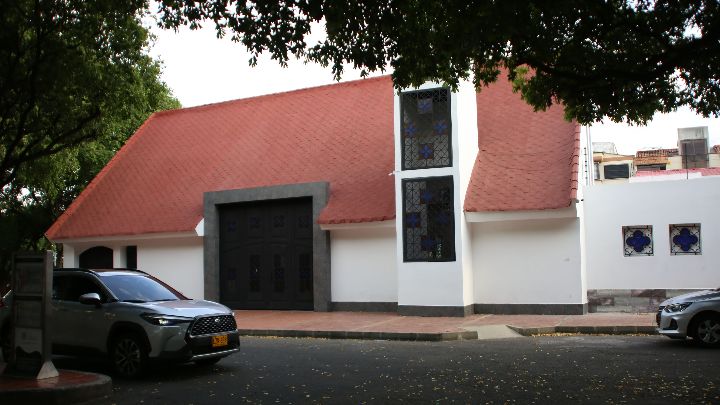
x=202 y=69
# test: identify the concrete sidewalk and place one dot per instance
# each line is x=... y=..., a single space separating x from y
x=391 y=326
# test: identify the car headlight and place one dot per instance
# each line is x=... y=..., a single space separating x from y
x=678 y=307
x=165 y=320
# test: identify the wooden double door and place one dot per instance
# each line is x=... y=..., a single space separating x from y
x=266 y=254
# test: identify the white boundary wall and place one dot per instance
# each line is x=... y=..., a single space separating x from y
x=610 y=207
x=363 y=266
x=528 y=262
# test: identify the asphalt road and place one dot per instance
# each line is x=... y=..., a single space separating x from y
x=541 y=370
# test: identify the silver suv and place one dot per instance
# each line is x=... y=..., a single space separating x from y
x=695 y=315
x=133 y=317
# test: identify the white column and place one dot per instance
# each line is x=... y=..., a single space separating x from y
x=440 y=284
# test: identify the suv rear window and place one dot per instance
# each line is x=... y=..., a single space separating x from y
x=138 y=288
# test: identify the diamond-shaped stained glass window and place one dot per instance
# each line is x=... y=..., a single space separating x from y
x=685 y=239
x=426 y=129
x=428 y=220
x=637 y=240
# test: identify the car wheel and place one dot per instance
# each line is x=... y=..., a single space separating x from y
x=207 y=362
x=707 y=330
x=129 y=356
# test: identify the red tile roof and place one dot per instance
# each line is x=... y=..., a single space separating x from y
x=341 y=133
x=709 y=171
x=526 y=160
x=656 y=153
x=654 y=156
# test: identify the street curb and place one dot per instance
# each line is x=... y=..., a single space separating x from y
x=446 y=336
x=587 y=330
x=362 y=335
x=99 y=387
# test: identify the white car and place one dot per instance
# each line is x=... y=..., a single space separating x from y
x=695 y=315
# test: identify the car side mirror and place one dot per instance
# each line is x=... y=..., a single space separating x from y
x=91 y=299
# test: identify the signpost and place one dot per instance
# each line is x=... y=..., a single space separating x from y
x=32 y=286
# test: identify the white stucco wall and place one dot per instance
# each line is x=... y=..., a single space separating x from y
x=528 y=262
x=465 y=146
x=660 y=204
x=178 y=262
x=363 y=266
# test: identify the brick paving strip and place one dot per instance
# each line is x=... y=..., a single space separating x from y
x=391 y=326
x=69 y=387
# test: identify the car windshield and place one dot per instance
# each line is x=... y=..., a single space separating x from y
x=139 y=288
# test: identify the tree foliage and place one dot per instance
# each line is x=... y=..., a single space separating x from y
x=76 y=82
x=66 y=67
x=616 y=58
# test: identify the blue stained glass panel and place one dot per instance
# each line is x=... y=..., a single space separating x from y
x=426 y=197
x=425 y=129
x=412 y=219
x=410 y=130
x=424 y=105
x=685 y=239
x=440 y=127
x=637 y=240
x=426 y=151
x=428 y=219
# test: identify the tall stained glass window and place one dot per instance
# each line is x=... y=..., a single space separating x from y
x=426 y=129
x=428 y=220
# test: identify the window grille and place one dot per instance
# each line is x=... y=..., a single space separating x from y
x=426 y=129
x=637 y=240
x=694 y=153
x=642 y=168
x=685 y=239
x=428 y=220
x=617 y=171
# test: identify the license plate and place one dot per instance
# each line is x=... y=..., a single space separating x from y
x=218 y=341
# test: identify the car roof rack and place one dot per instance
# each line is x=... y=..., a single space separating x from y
x=72 y=269
x=98 y=270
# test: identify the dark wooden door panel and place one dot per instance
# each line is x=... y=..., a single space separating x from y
x=266 y=255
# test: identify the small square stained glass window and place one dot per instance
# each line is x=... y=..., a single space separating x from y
x=685 y=239
x=637 y=240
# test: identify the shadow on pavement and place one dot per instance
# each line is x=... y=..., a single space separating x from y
x=158 y=372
